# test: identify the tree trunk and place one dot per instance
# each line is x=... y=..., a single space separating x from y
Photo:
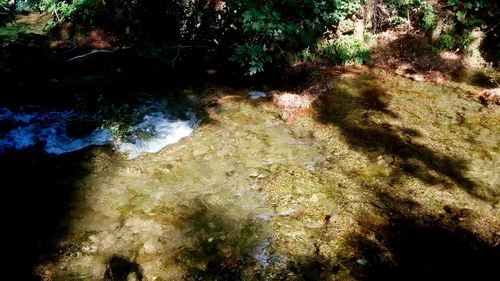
x=368 y=16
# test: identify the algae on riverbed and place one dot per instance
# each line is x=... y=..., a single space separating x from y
x=386 y=178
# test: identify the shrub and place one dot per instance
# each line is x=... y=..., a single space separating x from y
x=7 y=13
x=445 y=42
x=348 y=50
x=429 y=18
x=474 y=13
x=271 y=29
x=83 y=11
x=453 y=41
x=406 y=12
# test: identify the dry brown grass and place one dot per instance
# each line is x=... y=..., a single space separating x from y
x=296 y=104
x=70 y=35
x=412 y=56
x=292 y=102
x=488 y=96
x=99 y=39
x=292 y=105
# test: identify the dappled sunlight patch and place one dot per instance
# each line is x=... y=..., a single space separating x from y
x=292 y=102
x=448 y=55
x=293 y=105
x=350 y=71
x=412 y=56
x=488 y=96
x=31 y=24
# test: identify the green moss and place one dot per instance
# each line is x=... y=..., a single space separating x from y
x=379 y=156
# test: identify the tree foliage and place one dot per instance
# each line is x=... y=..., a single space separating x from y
x=83 y=11
x=258 y=34
x=7 y=12
x=270 y=29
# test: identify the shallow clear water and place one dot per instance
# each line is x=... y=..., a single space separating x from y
x=324 y=196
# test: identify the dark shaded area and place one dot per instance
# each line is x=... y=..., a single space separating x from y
x=36 y=197
x=376 y=99
x=119 y=268
x=373 y=137
x=223 y=247
x=414 y=245
x=490 y=48
x=32 y=73
x=7 y=14
x=144 y=16
x=39 y=72
x=476 y=78
x=44 y=76
x=310 y=268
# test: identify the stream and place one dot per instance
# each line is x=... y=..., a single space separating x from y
x=376 y=177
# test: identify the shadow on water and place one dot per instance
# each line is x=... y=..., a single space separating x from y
x=356 y=114
x=119 y=269
x=476 y=77
x=403 y=240
x=412 y=245
x=36 y=196
x=223 y=246
x=310 y=268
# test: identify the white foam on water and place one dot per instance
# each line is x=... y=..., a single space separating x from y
x=155 y=132
x=47 y=128
x=61 y=143
x=257 y=95
x=19 y=138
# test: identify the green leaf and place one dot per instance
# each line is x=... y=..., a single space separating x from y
x=362 y=262
x=256 y=26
